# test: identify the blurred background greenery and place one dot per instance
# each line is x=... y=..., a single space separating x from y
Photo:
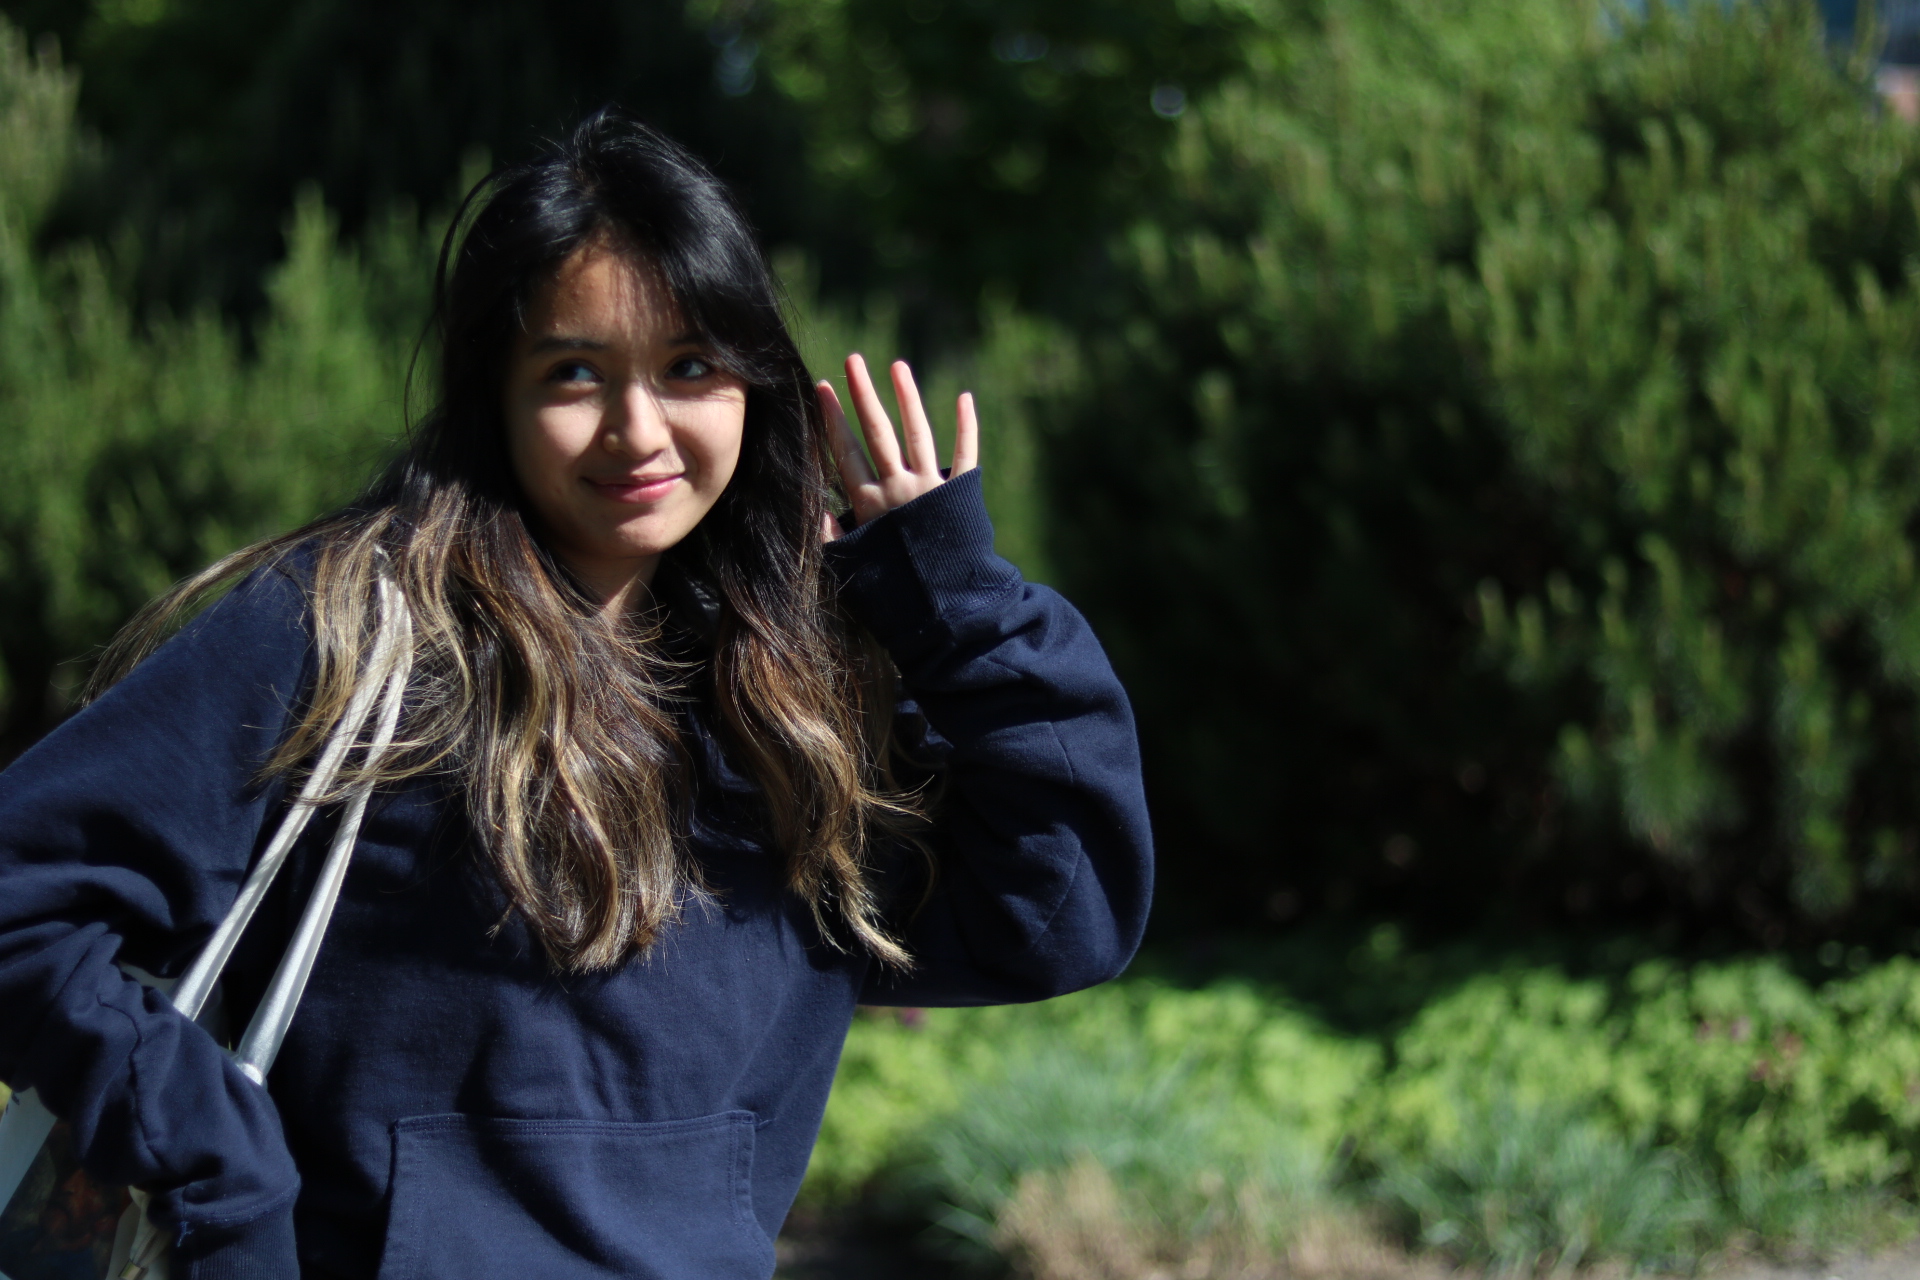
x=1484 y=434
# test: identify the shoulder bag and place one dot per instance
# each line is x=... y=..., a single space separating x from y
x=57 y=1222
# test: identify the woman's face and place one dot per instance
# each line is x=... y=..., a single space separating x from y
x=622 y=428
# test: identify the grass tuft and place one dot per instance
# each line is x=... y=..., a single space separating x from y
x=1543 y=1191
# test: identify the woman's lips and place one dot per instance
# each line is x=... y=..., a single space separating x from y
x=638 y=488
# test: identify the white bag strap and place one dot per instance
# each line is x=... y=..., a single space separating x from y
x=390 y=661
x=26 y=1122
x=390 y=665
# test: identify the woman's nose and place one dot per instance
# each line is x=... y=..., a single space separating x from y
x=638 y=424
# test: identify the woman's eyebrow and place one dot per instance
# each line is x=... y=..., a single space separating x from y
x=565 y=342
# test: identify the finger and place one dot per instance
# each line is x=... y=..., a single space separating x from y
x=874 y=423
x=923 y=456
x=966 y=435
x=852 y=459
x=829 y=527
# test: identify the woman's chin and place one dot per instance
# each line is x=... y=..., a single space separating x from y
x=637 y=549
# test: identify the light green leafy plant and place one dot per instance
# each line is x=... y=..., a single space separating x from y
x=1532 y=1190
x=1281 y=1078
x=1524 y=1119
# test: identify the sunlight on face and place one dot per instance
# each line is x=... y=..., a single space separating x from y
x=622 y=428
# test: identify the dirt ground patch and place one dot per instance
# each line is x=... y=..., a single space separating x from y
x=838 y=1249
x=1901 y=1264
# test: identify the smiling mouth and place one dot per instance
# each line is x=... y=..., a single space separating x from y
x=638 y=488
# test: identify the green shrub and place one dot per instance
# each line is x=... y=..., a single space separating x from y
x=1527 y=1190
x=1166 y=1124
x=1523 y=1119
x=1511 y=410
x=214 y=114
x=1743 y=1066
x=1284 y=1079
x=987 y=143
x=1705 y=358
x=1175 y=1150
x=1763 y=1106
x=140 y=447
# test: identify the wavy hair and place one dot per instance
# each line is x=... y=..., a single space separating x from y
x=563 y=729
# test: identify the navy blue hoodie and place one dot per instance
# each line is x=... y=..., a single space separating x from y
x=447 y=1106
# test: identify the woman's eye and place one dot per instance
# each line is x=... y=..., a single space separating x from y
x=572 y=371
x=690 y=367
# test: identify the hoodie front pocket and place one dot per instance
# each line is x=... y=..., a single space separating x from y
x=574 y=1200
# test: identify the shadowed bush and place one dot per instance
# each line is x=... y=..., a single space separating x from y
x=140 y=448
x=1510 y=420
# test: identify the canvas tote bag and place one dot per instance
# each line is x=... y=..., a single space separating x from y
x=57 y=1223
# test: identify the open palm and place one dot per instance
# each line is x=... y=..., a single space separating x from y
x=884 y=474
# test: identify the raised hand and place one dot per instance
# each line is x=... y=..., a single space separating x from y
x=892 y=478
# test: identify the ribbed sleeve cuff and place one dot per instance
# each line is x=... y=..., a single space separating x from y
x=262 y=1249
x=912 y=574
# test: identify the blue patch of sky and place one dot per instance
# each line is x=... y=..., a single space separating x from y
x=1899 y=24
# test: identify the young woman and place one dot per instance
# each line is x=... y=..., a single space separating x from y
x=687 y=771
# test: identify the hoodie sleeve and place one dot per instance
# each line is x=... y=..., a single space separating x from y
x=125 y=835
x=1046 y=861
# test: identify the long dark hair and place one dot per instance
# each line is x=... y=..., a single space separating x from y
x=558 y=724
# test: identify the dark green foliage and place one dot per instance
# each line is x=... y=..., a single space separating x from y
x=928 y=147
x=1712 y=374
x=137 y=453
x=1510 y=427
x=216 y=112
x=990 y=142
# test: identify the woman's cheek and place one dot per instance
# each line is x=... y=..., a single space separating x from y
x=726 y=460
x=568 y=431
x=724 y=438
